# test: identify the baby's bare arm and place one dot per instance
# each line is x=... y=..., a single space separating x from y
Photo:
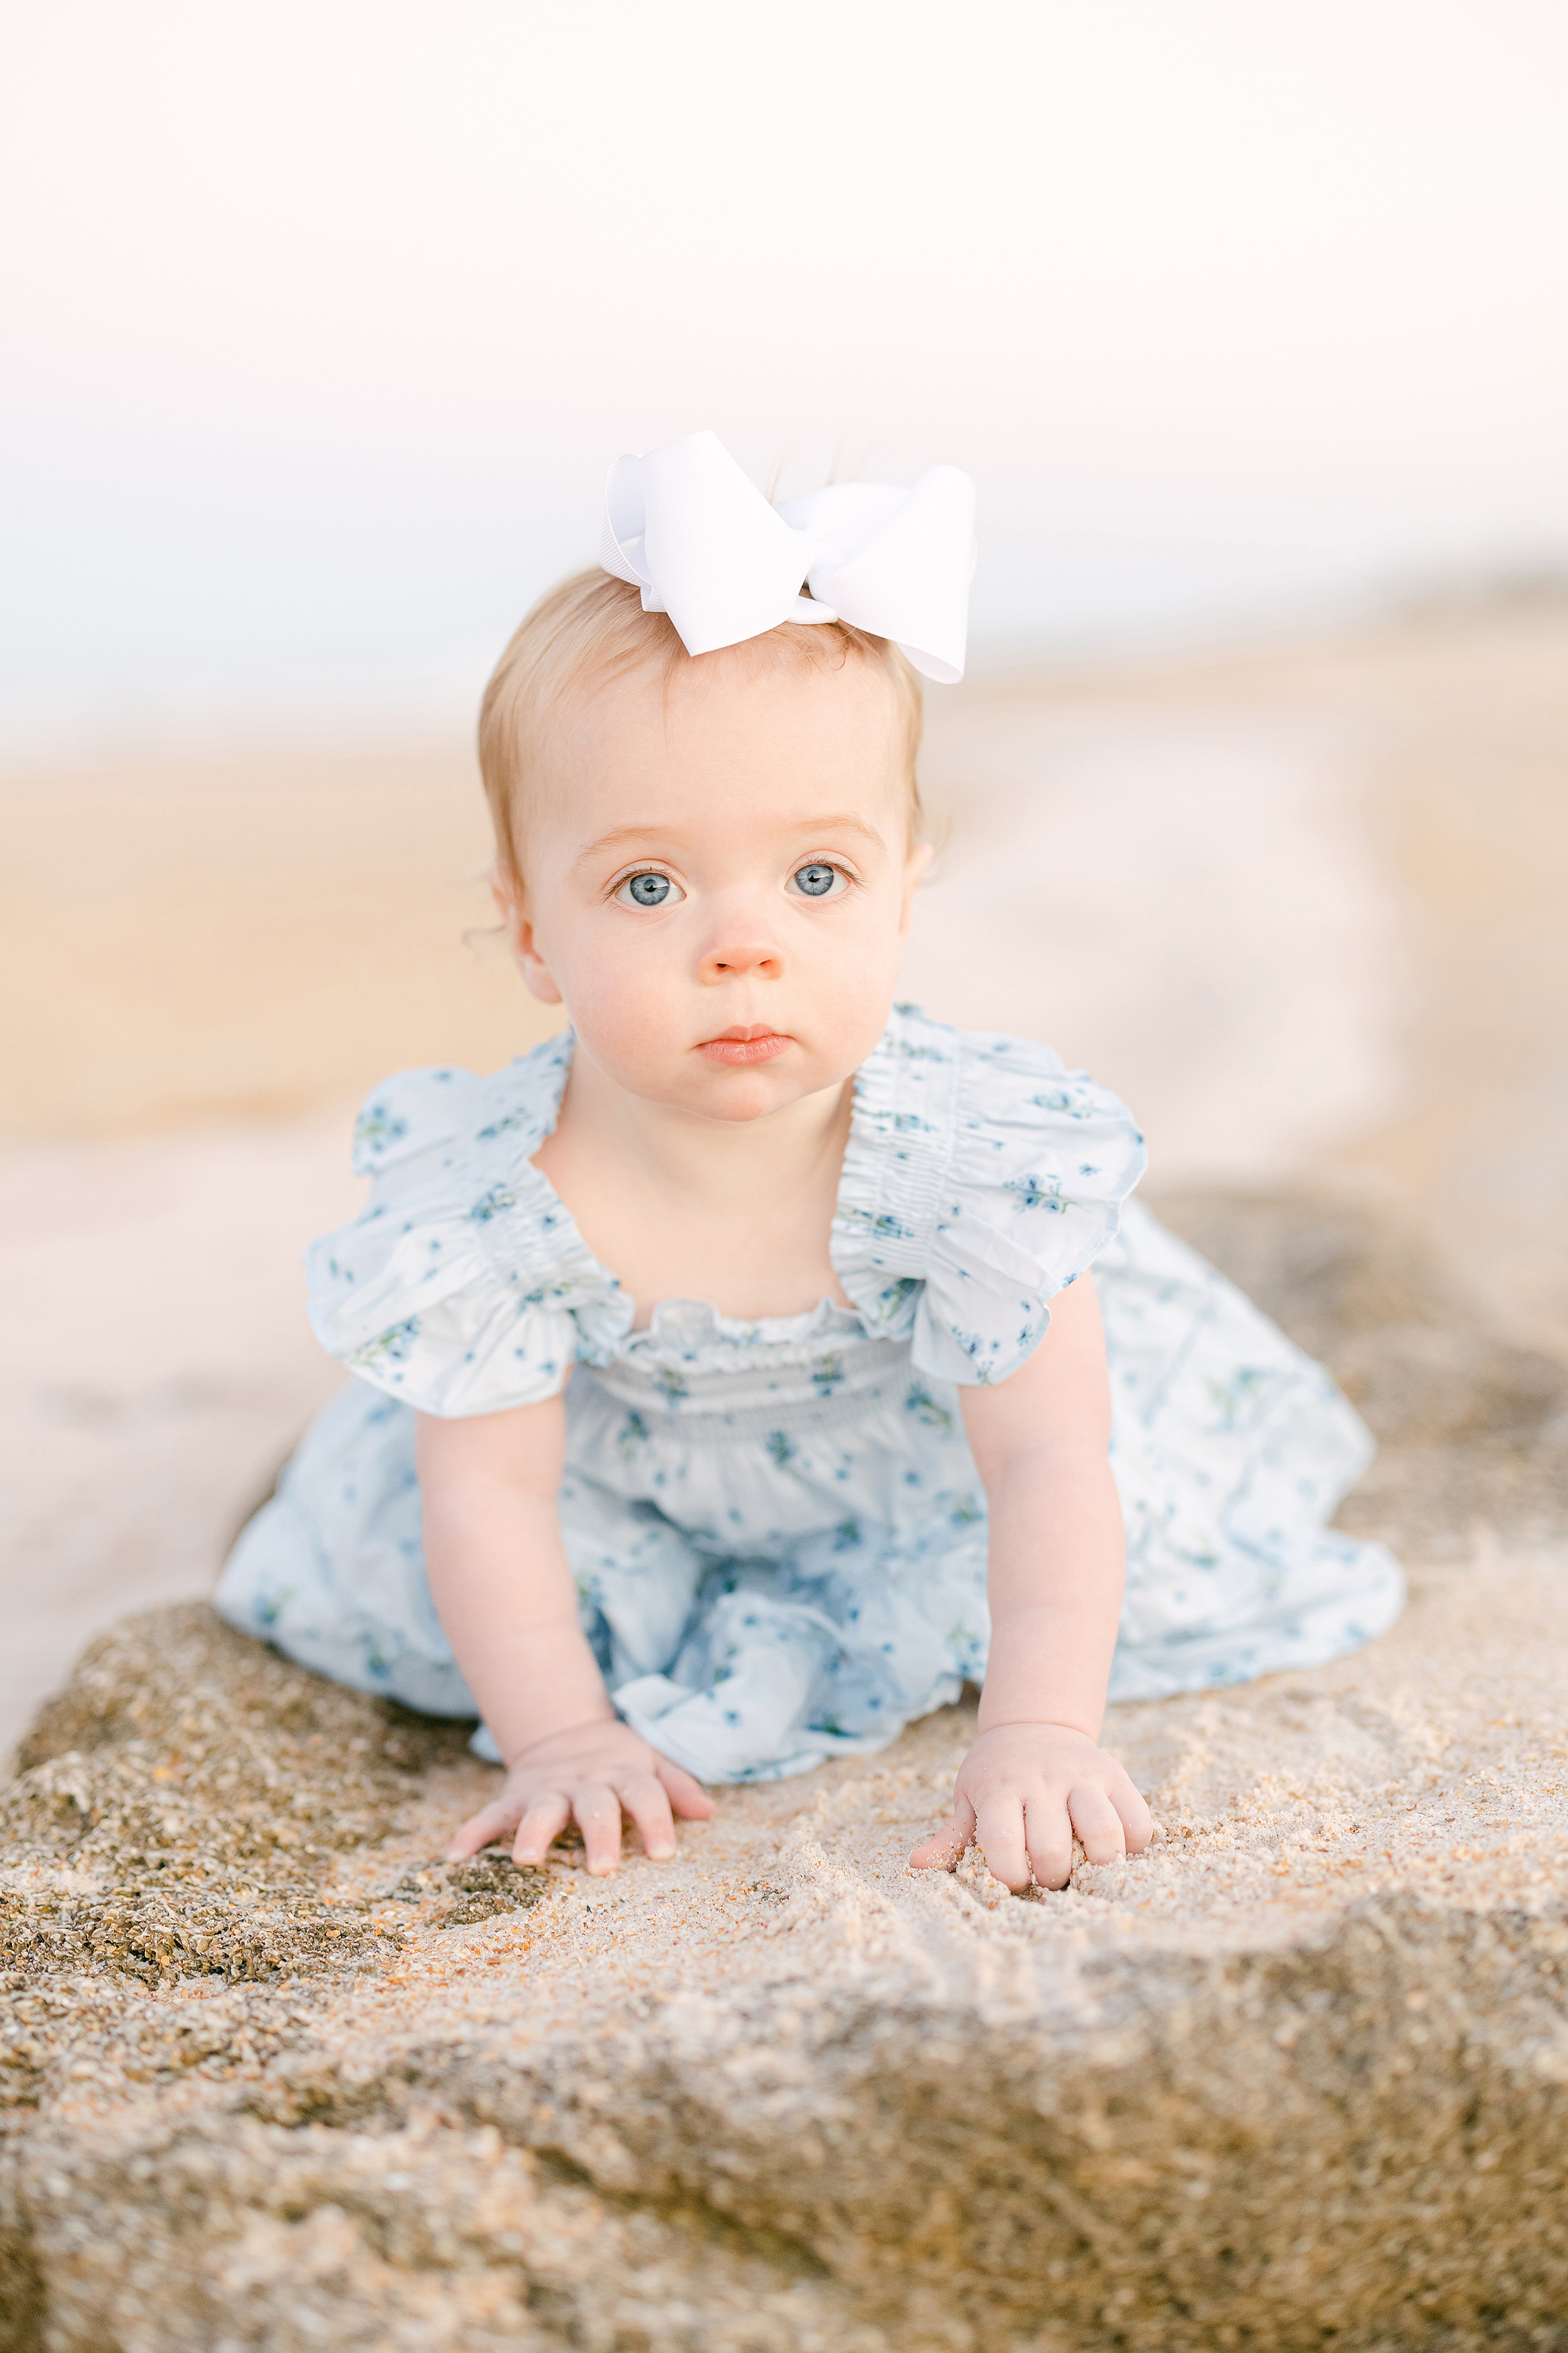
x=1036 y=1774
x=505 y=1592
x=498 y=1573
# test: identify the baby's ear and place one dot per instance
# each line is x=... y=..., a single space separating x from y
x=920 y=854
x=512 y=907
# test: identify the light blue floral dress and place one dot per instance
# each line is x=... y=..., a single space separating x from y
x=777 y=1527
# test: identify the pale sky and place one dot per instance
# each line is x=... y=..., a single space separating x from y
x=322 y=322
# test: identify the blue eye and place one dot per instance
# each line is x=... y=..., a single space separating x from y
x=817 y=881
x=649 y=889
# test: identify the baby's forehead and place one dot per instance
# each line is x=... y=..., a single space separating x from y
x=755 y=687
x=761 y=735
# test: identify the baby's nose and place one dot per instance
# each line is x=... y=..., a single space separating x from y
x=739 y=951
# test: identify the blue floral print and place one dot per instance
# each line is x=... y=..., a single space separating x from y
x=776 y=1528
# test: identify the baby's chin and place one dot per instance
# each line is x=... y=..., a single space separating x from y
x=744 y=1097
x=708 y=1086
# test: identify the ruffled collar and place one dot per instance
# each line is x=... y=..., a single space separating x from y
x=900 y=1140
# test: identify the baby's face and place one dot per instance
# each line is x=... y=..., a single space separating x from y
x=720 y=880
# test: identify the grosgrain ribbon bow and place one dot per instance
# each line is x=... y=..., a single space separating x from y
x=686 y=526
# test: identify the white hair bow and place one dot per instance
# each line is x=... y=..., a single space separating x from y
x=686 y=526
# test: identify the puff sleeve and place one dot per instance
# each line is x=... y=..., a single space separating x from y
x=463 y=1287
x=981 y=1178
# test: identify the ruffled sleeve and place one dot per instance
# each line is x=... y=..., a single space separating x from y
x=981 y=1178
x=463 y=1287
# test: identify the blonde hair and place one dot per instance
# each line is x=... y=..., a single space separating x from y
x=591 y=629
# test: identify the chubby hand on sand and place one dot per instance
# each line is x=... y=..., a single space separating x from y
x=1024 y=1793
x=590 y=1773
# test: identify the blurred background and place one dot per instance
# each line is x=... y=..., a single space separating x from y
x=321 y=322
x=321 y=327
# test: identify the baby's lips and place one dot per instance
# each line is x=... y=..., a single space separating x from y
x=764 y=1045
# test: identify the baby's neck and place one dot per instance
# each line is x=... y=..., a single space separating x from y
x=704 y=1160
x=736 y=1212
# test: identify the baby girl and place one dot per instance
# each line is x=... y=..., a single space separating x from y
x=731 y=1384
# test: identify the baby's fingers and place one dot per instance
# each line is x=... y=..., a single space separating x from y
x=689 y=1798
x=1049 y=1834
x=598 y=1812
x=491 y=1822
x=1096 y=1822
x=943 y=1851
x=1137 y=1821
x=999 y=1828
x=648 y=1802
x=544 y=1819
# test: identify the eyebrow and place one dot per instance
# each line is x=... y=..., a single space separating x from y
x=810 y=827
x=610 y=840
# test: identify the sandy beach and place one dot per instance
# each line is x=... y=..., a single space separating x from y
x=1300 y=904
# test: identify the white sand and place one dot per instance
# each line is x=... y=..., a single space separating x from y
x=1278 y=1806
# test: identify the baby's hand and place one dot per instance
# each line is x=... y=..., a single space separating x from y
x=591 y=1770
x=1023 y=1790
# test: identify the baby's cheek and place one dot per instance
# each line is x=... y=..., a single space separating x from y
x=626 y=1019
x=849 y=982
